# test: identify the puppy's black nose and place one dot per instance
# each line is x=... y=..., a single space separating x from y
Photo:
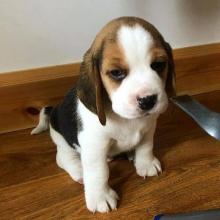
x=146 y=103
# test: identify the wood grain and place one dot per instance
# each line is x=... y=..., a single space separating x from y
x=195 y=75
x=24 y=93
x=174 y=117
x=33 y=187
x=197 y=69
x=39 y=74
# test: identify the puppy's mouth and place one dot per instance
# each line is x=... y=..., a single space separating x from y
x=146 y=114
x=136 y=115
x=134 y=112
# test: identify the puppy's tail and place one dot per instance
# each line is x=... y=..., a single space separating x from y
x=44 y=117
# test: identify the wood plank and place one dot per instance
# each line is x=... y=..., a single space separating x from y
x=190 y=180
x=190 y=161
x=23 y=93
x=36 y=161
x=197 y=69
x=196 y=51
x=39 y=74
x=174 y=117
x=195 y=75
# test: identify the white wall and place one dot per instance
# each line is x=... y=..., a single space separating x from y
x=35 y=33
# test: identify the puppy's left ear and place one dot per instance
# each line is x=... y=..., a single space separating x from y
x=171 y=76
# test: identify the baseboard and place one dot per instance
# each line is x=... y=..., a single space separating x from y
x=23 y=93
x=197 y=69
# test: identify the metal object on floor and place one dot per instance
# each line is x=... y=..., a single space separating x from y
x=201 y=215
x=208 y=120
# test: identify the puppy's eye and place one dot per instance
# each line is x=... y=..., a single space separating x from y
x=118 y=74
x=158 y=66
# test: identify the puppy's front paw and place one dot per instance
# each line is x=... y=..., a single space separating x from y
x=148 y=168
x=102 y=201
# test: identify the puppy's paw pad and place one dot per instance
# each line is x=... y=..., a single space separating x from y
x=102 y=201
x=152 y=168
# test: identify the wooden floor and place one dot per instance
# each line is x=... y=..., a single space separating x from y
x=33 y=187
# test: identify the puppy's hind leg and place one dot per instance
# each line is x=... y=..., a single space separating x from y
x=67 y=158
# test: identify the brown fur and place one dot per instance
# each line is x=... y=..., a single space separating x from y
x=171 y=76
x=113 y=58
x=105 y=54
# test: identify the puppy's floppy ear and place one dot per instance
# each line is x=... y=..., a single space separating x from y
x=99 y=91
x=171 y=76
x=89 y=87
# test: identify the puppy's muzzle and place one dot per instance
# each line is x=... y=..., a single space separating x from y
x=147 y=103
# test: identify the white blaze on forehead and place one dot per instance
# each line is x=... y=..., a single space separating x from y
x=136 y=43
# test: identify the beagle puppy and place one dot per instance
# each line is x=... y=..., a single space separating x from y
x=125 y=79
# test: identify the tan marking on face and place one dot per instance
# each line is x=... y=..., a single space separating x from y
x=105 y=47
x=113 y=58
x=110 y=29
x=159 y=54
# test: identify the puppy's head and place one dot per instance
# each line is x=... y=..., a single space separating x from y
x=129 y=67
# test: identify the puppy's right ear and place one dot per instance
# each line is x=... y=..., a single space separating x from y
x=90 y=89
x=171 y=76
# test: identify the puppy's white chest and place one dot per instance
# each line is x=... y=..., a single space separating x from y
x=126 y=136
x=127 y=140
x=124 y=141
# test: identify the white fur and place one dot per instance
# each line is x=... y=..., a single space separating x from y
x=94 y=149
x=98 y=142
x=136 y=43
x=67 y=158
x=132 y=131
x=43 y=123
x=141 y=81
x=145 y=162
